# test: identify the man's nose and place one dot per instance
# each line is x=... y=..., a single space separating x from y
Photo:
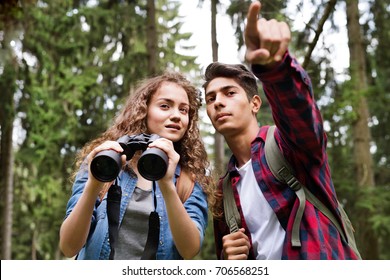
x=219 y=101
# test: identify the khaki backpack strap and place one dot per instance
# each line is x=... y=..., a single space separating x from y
x=325 y=210
x=283 y=172
x=232 y=216
x=185 y=185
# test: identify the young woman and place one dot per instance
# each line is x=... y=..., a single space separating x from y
x=165 y=105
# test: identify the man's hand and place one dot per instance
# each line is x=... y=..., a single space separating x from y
x=266 y=40
x=236 y=246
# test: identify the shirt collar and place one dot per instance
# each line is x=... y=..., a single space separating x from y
x=261 y=136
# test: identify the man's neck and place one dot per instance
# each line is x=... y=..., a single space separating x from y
x=240 y=144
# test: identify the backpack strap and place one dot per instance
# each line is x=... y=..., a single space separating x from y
x=185 y=185
x=325 y=210
x=281 y=169
x=232 y=216
x=283 y=172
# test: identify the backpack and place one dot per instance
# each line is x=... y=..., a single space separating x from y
x=282 y=171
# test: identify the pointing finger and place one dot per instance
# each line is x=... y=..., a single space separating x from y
x=252 y=16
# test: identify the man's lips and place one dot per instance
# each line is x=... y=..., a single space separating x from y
x=221 y=116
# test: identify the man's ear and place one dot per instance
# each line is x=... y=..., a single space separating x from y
x=256 y=104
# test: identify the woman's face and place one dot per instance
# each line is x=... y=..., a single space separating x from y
x=168 y=112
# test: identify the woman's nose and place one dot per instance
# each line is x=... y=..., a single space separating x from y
x=175 y=114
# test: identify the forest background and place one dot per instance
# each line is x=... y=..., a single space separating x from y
x=67 y=65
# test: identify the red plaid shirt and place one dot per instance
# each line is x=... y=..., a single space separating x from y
x=302 y=140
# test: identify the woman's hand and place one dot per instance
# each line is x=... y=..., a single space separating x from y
x=107 y=145
x=173 y=159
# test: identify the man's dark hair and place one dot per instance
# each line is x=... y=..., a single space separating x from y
x=238 y=72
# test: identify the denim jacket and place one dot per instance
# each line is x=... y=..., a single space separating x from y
x=97 y=245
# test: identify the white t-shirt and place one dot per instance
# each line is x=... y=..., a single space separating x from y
x=266 y=232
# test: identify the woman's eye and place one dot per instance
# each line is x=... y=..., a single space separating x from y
x=184 y=110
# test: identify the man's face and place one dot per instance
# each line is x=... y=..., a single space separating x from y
x=228 y=106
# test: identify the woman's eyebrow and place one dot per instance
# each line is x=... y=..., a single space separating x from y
x=170 y=100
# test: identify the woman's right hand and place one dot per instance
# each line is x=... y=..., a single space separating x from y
x=108 y=145
x=75 y=228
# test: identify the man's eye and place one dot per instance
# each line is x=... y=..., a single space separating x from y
x=210 y=99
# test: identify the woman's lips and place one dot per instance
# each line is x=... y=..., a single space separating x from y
x=173 y=126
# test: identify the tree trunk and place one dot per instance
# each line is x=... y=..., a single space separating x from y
x=7 y=84
x=151 y=38
x=360 y=131
x=219 y=141
x=7 y=116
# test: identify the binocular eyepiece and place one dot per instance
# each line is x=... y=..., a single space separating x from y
x=152 y=165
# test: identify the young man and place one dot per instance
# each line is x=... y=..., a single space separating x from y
x=268 y=207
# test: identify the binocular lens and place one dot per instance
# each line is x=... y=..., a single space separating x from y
x=106 y=165
x=153 y=164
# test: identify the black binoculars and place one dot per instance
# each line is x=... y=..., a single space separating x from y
x=152 y=165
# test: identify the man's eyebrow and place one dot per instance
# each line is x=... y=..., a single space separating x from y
x=223 y=89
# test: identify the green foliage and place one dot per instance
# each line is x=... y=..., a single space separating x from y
x=207 y=251
x=377 y=202
x=37 y=215
x=78 y=64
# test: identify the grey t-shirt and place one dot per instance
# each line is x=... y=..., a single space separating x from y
x=133 y=231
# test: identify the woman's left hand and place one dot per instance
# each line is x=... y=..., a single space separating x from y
x=173 y=158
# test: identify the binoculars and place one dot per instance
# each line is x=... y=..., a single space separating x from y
x=152 y=165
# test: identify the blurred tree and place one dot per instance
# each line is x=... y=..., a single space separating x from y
x=77 y=61
x=361 y=134
x=9 y=14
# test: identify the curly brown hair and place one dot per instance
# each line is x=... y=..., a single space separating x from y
x=132 y=120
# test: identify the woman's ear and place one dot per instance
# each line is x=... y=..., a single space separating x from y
x=256 y=104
